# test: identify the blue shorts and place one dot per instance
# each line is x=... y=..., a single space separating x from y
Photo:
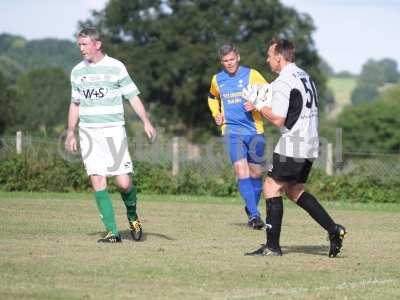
x=250 y=147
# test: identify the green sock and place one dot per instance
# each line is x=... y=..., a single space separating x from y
x=106 y=210
x=130 y=200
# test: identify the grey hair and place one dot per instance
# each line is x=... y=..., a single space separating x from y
x=90 y=32
x=225 y=49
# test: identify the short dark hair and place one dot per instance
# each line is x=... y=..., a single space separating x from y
x=285 y=48
x=225 y=49
x=90 y=32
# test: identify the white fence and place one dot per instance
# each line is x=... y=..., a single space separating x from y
x=209 y=158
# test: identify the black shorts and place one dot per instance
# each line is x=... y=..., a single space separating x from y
x=289 y=169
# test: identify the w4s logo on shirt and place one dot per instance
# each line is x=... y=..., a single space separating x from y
x=94 y=93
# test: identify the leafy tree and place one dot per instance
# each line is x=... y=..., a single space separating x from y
x=390 y=73
x=328 y=100
x=42 y=99
x=9 y=43
x=10 y=69
x=170 y=47
x=390 y=93
x=7 y=98
x=374 y=74
x=364 y=93
x=371 y=127
x=326 y=68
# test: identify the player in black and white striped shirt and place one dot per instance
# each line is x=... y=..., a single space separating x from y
x=290 y=102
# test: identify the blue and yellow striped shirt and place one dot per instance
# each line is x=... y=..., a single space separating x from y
x=226 y=97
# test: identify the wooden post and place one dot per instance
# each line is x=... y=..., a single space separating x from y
x=329 y=160
x=175 y=156
x=18 y=142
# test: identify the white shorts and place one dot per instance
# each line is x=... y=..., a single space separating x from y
x=105 y=151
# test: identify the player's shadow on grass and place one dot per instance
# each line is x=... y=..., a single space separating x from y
x=306 y=249
x=126 y=235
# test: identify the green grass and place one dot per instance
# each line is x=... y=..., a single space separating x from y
x=342 y=87
x=192 y=249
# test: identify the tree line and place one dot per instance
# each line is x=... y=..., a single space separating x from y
x=34 y=83
x=170 y=49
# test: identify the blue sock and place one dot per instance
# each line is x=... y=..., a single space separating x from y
x=257 y=187
x=247 y=192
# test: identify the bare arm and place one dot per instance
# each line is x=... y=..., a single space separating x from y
x=73 y=117
x=271 y=117
x=139 y=109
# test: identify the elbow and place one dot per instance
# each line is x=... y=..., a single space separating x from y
x=279 y=122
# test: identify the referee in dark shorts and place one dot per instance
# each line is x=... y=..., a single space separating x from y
x=292 y=106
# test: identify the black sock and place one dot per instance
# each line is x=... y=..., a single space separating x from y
x=274 y=221
x=311 y=205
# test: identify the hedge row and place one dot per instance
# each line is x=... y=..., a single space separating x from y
x=53 y=174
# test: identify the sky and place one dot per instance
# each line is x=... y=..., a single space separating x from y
x=348 y=32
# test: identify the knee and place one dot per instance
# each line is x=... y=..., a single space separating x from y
x=124 y=182
x=98 y=182
x=124 y=186
x=294 y=193
x=240 y=174
x=241 y=169
x=255 y=173
x=271 y=188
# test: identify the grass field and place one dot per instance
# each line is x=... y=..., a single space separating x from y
x=192 y=249
x=342 y=87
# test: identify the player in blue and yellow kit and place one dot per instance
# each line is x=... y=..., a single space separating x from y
x=242 y=129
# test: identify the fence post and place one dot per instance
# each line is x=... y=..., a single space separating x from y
x=175 y=156
x=329 y=160
x=18 y=142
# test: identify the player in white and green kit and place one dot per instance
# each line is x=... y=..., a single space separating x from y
x=99 y=85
